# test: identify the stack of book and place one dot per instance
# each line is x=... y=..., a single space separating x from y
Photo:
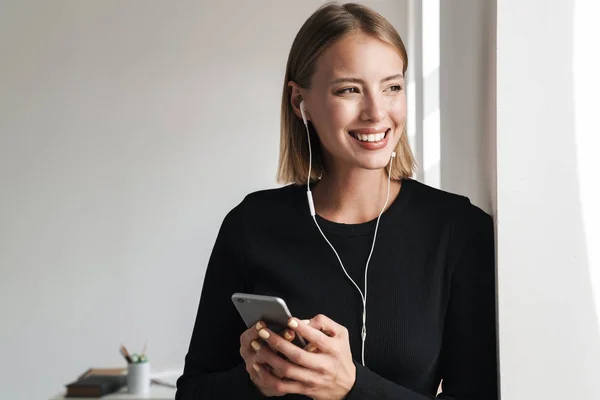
x=97 y=382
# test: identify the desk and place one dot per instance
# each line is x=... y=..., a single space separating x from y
x=157 y=392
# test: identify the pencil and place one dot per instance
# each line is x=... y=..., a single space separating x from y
x=145 y=348
x=125 y=354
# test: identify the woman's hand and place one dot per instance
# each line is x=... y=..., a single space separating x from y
x=261 y=357
x=322 y=371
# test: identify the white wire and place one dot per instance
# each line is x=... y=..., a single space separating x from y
x=363 y=297
x=309 y=158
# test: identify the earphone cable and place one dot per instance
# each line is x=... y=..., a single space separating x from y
x=313 y=214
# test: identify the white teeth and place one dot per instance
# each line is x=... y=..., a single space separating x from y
x=376 y=137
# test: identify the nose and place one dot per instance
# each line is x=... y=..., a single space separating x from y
x=373 y=108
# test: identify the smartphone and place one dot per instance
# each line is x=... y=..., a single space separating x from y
x=272 y=310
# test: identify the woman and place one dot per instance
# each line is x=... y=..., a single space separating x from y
x=424 y=257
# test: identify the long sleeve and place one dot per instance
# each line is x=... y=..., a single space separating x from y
x=468 y=356
x=469 y=360
x=214 y=368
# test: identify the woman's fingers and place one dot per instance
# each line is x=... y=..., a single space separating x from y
x=316 y=333
x=311 y=348
x=251 y=333
x=250 y=347
x=246 y=338
x=273 y=374
x=289 y=335
x=251 y=342
x=271 y=385
x=327 y=326
x=291 y=351
x=266 y=357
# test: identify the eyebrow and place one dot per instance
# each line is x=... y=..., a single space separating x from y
x=358 y=80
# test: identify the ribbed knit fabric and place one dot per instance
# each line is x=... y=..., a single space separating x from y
x=430 y=299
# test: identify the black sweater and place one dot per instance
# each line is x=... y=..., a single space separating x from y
x=430 y=303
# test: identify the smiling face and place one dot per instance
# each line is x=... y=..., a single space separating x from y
x=357 y=102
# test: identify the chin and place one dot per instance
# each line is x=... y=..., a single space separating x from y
x=374 y=163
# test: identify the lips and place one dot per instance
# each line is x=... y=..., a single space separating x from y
x=369 y=135
x=371 y=139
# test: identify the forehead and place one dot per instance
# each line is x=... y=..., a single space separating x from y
x=359 y=55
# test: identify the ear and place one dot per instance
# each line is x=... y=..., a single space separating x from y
x=295 y=99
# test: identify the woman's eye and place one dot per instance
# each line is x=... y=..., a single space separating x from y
x=396 y=88
x=348 y=90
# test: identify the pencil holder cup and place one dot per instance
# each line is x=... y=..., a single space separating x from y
x=138 y=378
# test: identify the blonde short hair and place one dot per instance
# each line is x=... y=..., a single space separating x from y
x=325 y=26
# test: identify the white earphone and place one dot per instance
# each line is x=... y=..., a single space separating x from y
x=311 y=206
x=303 y=111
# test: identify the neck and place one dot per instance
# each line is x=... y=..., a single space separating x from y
x=353 y=196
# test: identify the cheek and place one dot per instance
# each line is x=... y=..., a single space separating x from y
x=337 y=115
x=398 y=110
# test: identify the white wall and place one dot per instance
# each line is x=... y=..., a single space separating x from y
x=452 y=98
x=127 y=131
x=467 y=100
x=548 y=197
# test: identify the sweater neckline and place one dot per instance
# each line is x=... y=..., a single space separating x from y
x=363 y=228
